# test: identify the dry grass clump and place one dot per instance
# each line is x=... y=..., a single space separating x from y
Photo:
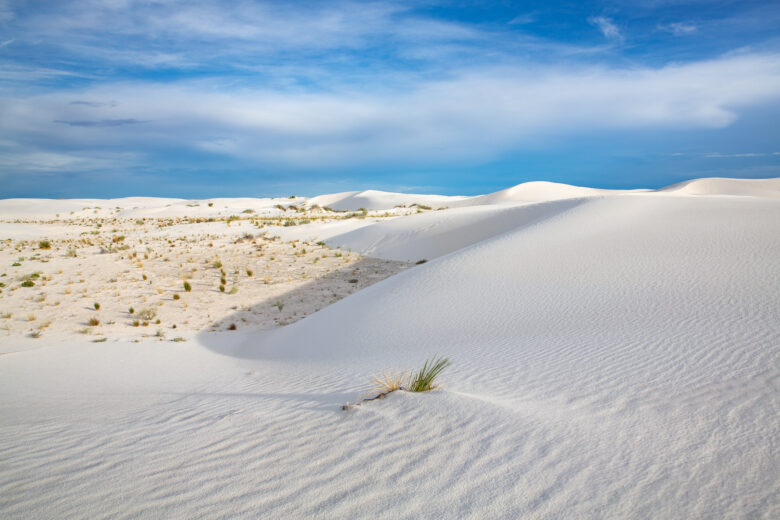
x=390 y=381
x=93 y=322
x=147 y=314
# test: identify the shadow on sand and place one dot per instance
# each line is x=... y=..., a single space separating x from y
x=294 y=305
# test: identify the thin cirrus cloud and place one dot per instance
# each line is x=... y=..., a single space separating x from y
x=679 y=28
x=100 y=124
x=607 y=27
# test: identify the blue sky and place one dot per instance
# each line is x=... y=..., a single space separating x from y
x=248 y=98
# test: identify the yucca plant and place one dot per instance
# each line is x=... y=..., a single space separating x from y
x=388 y=382
x=424 y=380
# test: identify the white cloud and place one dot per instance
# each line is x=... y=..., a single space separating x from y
x=475 y=116
x=607 y=27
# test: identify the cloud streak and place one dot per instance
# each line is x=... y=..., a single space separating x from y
x=475 y=116
x=607 y=27
x=100 y=124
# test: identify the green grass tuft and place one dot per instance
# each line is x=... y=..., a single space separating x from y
x=424 y=380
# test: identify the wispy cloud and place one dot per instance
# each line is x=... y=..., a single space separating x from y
x=738 y=155
x=101 y=124
x=607 y=27
x=679 y=28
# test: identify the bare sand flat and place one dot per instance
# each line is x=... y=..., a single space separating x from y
x=615 y=355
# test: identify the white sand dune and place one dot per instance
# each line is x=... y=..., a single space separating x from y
x=430 y=235
x=721 y=186
x=615 y=356
x=380 y=200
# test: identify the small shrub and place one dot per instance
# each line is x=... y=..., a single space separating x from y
x=217 y=264
x=234 y=289
x=97 y=306
x=28 y=283
x=279 y=305
x=44 y=244
x=221 y=288
x=178 y=339
x=131 y=310
x=421 y=261
x=99 y=340
x=15 y=264
x=187 y=286
x=232 y=326
x=390 y=381
x=249 y=272
x=147 y=314
x=35 y=334
x=176 y=296
x=423 y=380
x=223 y=280
x=93 y=322
x=354 y=280
x=136 y=323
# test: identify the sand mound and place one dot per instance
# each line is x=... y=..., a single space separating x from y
x=724 y=186
x=379 y=200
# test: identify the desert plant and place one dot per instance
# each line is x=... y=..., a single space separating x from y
x=44 y=244
x=131 y=310
x=232 y=326
x=99 y=340
x=249 y=272
x=221 y=288
x=423 y=380
x=391 y=381
x=28 y=283
x=97 y=306
x=147 y=314
x=234 y=289
x=187 y=286
x=93 y=322
x=279 y=305
x=176 y=296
